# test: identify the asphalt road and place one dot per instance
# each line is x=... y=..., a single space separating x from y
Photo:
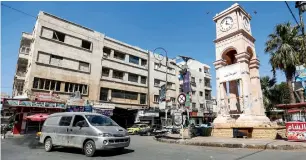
x=141 y=148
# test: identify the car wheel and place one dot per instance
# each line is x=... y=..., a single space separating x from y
x=48 y=145
x=89 y=148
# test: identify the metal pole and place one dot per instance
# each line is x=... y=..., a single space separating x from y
x=166 y=87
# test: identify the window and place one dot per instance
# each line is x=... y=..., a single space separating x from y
x=193 y=79
x=169 y=85
x=73 y=87
x=173 y=99
x=100 y=120
x=143 y=98
x=171 y=70
x=22 y=49
x=193 y=105
x=56 y=60
x=104 y=94
x=52 y=121
x=131 y=95
x=81 y=119
x=124 y=94
x=65 y=121
x=143 y=80
x=156 y=98
x=201 y=94
x=46 y=84
x=105 y=72
x=27 y=50
x=156 y=66
x=117 y=74
x=143 y=62
x=83 y=66
x=119 y=55
x=156 y=82
x=134 y=59
x=201 y=105
x=58 y=36
x=86 y=44
x=200 y=69
x=200 y=80
x=107 y=50
x=193 y=92
x=133 y=77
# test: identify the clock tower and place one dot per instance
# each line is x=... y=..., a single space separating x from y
x=237 y=69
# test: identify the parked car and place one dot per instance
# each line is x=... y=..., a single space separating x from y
x=136 y=128
x=153 y=130
x=89 y=131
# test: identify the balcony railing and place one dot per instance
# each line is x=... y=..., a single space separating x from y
x=21 y=74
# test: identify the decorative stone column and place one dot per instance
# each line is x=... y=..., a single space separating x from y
x=258 y=106
x=223 y=118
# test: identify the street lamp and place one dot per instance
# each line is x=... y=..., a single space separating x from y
x=160 y=57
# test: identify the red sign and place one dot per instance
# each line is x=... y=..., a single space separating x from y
x=296 y=131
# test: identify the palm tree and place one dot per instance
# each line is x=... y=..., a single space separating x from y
x=282 y=46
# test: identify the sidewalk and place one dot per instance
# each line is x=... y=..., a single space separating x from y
x=234 y=142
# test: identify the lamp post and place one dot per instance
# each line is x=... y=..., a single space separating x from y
x=160 y=58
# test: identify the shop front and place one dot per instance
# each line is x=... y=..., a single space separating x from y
x=147 y=116
x=104 y=108
x=78 y=105
x=24 y=108
x=196 y=118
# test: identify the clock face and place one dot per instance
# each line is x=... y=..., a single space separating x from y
x=246 y=23
x=226 y=24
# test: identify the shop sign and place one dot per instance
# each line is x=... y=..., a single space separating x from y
x=296 y=131
x=104 y=105
x=46 y=97
x=77 y=102
x=106 y=112
x=148 y=114
x=35 y=104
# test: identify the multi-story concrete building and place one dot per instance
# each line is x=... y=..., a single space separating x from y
x=201 y=90
x=63 y=57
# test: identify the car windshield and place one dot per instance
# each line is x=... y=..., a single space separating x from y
x=96 y=120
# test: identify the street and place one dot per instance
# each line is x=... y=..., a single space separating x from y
x=141 y=148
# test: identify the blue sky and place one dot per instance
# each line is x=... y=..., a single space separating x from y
x=182 y=28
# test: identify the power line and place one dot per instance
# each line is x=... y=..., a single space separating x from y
x=292 y=14
x=27 y=14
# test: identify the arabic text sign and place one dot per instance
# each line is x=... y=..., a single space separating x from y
x=35 y=104
x=230 y=73
x=296 y=131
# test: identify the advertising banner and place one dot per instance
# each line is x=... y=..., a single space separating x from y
x=296 y=131
x=186 y=83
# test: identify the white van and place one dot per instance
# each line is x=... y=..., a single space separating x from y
x=89 y=131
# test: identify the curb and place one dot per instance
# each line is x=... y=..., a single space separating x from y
x=232 y=145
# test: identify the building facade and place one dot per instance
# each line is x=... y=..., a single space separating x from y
x=201 y=102
x=60 y=57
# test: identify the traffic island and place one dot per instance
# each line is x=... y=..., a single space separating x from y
x=234 y=143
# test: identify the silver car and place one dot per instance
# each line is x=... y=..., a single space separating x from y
x=89 y=131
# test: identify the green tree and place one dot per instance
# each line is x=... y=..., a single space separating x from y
x=283 y=47
x=267 y=86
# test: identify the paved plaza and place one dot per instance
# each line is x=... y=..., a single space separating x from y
x=141 y=148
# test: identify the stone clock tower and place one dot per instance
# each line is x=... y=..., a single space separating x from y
x=239 y=94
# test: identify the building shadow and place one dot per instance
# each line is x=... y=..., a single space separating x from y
x=251 y=154
x=102 y=153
